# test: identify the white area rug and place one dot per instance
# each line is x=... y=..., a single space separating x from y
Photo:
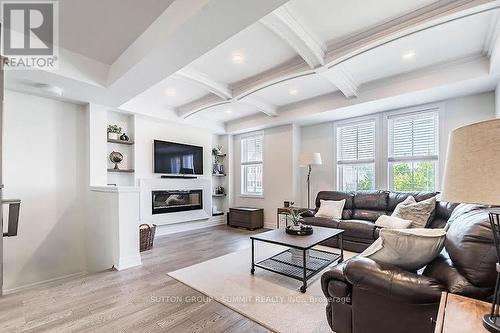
x=272 y=300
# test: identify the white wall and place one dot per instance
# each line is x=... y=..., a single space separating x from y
x=455 y=113
x=44 y=165
x=497 y=101
x=149 y=129
x=279 y=169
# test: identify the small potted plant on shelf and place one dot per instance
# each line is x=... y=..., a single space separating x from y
x=114 y=132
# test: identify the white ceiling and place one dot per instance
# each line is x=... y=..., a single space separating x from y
x=103 y=29
x=333 y=20
x=261 y=49
x=277 y=45
x=295 y=90
x=453 y=40
x=227 y=112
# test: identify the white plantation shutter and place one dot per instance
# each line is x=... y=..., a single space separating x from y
x=413 y=136
x=251 y=164
x=356 y=143
x=356 y=156
x=251 y=149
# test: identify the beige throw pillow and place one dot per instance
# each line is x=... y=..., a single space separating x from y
x=410 y=249
x=417 y=212
x=392 y=222
x=330 y=208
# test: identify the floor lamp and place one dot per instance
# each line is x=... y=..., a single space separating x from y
x=472 y=176
x=308 y=160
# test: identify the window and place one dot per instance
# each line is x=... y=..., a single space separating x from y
x=251 y=164
x=413 y=151
x=356 y=157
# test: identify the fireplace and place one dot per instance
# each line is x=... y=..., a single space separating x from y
x=176 y=201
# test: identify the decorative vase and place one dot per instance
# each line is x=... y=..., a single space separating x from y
x=112 y=136
x=124 y=137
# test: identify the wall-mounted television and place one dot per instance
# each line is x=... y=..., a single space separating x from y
x=177 y=158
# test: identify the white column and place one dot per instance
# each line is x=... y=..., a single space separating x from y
x=113 y=228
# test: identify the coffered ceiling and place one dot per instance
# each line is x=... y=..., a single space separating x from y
x=274 y=62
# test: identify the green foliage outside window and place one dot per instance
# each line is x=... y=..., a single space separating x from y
x=417 y=176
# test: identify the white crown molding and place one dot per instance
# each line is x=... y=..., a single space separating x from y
x=284 y=23
x=218 y=88
x=341 y=78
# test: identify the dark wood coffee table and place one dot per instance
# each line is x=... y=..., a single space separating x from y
x=285 y=263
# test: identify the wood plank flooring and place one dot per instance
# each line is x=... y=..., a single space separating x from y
x=142 y=299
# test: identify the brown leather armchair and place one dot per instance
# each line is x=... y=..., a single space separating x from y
x=367 y=296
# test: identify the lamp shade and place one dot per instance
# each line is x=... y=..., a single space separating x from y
x=472 y=171
x=306 y=159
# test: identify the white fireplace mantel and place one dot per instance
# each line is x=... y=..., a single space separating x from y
x=158 y=184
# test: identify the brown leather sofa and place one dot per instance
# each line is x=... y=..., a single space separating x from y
x=368 y=296
x=362 y=209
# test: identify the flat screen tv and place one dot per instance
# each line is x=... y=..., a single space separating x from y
x=177 y=158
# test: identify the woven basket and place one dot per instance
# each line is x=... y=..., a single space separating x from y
x=146 y=236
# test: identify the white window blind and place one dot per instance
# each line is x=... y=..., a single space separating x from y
x=413 y=149
x=356 y=143
x=251 y=164
x=413 y=136
x=356 y=157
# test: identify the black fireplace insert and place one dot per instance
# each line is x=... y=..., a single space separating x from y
x=176 y=201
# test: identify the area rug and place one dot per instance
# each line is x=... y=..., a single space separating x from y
x=269 y=299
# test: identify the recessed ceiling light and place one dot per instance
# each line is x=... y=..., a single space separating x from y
x=293 y=91
x=228 y=111
x=237 y=58
x=170 y=92
x=408 y=55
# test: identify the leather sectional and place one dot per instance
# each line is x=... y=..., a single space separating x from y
x=362 y=209
x=368 y=296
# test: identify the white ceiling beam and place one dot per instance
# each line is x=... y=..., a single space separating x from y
x=491 y=47
x=215 y=87
x=289 y=70
x=340 y=78
x=435 y=83
x=186 y=30
x=284 y=23
x=203 y=103
x=262 y=106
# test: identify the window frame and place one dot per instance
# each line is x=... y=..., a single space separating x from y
x=359 y=162
x=243 y=164
x=436 y=159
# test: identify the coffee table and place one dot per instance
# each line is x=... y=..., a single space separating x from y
x=302 y=269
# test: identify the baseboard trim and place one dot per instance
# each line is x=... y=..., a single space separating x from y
x=37 y=284
x=128 y=262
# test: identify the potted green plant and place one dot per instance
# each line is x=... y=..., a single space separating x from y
x=296 y=219
x=114 y=132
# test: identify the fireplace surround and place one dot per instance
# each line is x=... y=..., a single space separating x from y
x=170 y=201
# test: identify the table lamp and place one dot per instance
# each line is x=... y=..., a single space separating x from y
x=472 y=175
x=308 y=160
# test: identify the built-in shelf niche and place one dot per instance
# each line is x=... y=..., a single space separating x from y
x=124 y=175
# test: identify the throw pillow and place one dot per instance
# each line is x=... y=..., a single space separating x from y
x=417 y=212
x=392 y=222
x=410 y=249
x=330 y=208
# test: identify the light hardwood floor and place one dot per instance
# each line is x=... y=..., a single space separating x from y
x=142 y=299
